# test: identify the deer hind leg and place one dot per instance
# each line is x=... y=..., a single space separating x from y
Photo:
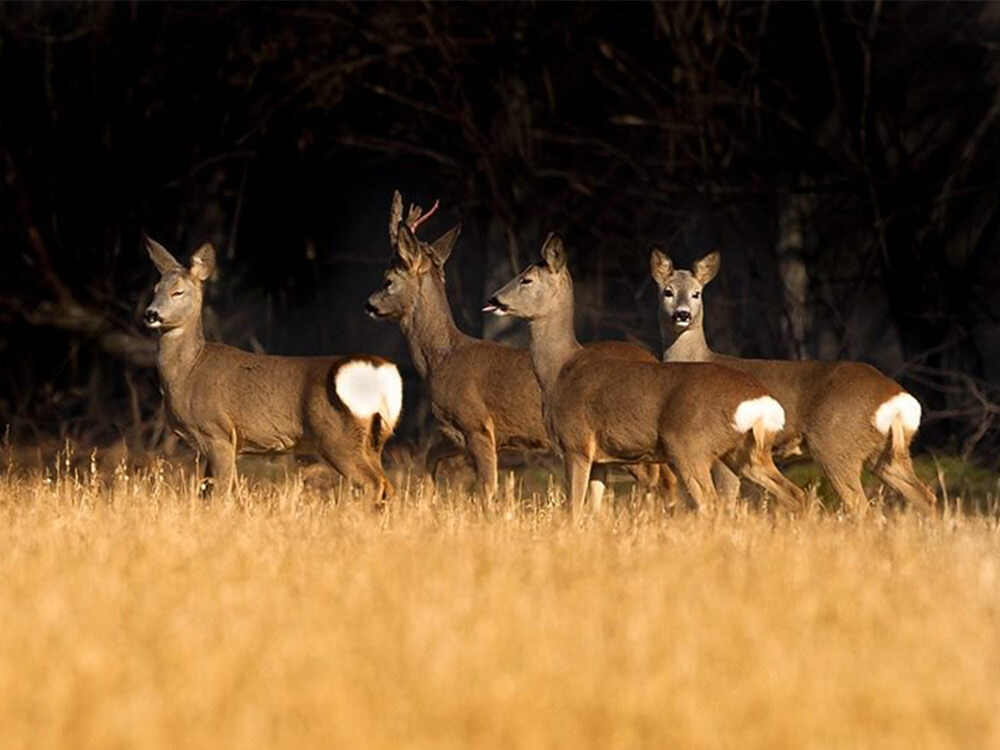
x=696 y=474
x=356 y=461
x=727 y=483
x=895 y=468
x=753 y=460
x=441 y=451
x=842 y=459
x=671 y=486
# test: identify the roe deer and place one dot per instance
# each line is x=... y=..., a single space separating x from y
x=845 y=413
x=226 y=401
x=600 y=412
x=483 y=394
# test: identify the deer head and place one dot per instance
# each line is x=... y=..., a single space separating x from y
x=178 y=296
x=680 y=291
x=414 y=262
x=538 y=289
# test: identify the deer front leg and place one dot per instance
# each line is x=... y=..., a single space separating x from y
x=221 y=455
x=577 y=477
x=482 y=448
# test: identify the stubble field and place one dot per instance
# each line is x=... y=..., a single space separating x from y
x=134 y=615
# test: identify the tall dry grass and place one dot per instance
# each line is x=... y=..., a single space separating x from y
x=133 y=615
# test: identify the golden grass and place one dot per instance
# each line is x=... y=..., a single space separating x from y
x=133 y=615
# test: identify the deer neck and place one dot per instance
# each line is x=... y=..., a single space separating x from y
x=178 y=351
x=429 y=328
x=685 y=345
x=553 y=343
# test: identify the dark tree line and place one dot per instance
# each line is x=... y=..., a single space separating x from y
x=844 y=157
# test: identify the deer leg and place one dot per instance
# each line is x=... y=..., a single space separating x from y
x=356 y=462
x=595 y=488
x=897 y=472
x=727 y=483
x=760 y=470
x=846 y=482
x=482 y=449
x=697 y=478
x=671 y=487
x=577 y=477
x=382 y=489
x=221 y=455
x=656 y=478
x=440 y=451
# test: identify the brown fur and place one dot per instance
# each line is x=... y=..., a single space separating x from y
x=483 y=394
x=829 y=406
x=225 y=401
x=598 y=411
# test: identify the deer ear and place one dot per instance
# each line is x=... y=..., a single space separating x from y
x=554 y=253
x=704 y=270
x=442 y=246
x=660 y=266
x=407 y=245
x=160 y=256
x=203 y=262
x=395 y=216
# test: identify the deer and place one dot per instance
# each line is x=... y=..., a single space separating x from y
x=483 y=394
x=844 y=414
x=599 y=412
x=225 y=401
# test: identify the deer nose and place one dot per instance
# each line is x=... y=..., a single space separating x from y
x=682 y=316
x=152 y=316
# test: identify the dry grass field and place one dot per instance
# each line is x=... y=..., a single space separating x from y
x=133 y=615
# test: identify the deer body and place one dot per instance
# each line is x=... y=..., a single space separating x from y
x=226 y=401
x=845 y=414
x=599 y=411
x=483 y=395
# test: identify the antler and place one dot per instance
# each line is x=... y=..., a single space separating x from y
x=416 y=216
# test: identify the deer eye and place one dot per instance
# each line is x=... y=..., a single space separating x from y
x=178 y=293
x=668 y=293
x=525 y=281
x=695 y=295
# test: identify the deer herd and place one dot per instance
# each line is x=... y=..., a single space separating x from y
x=702 y=418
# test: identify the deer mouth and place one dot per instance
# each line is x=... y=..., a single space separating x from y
x=495 y=306
x=152 y=319
x=682 y=318
x=373 y=312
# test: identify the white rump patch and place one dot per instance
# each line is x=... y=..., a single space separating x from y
x=367 y=389
x=765 y=408
x=902 y=405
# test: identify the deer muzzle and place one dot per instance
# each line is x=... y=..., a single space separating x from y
x=152 y=318
x=495 y=306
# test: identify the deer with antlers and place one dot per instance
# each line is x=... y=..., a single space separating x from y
x=599 y=412
x=845 y=414
x=225 y=401
x=483 y=394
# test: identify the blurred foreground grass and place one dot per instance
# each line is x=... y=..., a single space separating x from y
x=132 y=614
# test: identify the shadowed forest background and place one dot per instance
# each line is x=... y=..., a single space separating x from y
x=844 y=157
